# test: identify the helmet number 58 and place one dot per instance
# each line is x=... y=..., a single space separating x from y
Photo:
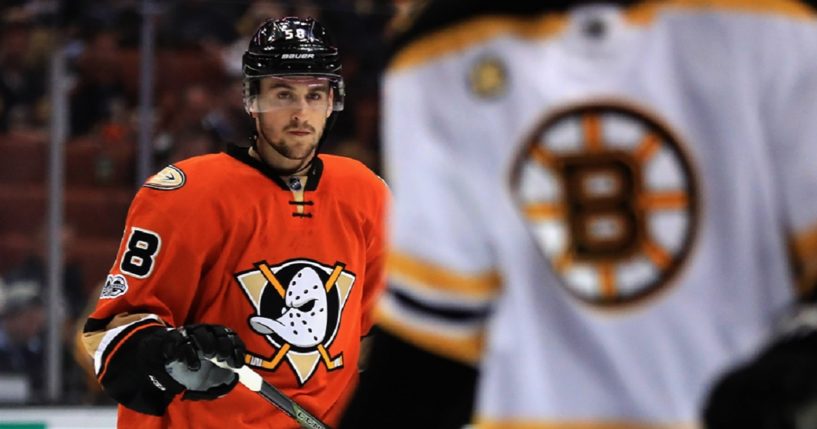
x=299 y=33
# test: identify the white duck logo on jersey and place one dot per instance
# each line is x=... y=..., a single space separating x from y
x=298 y=310
x=610 y=197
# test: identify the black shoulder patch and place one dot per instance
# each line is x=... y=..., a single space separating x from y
x=168 y=179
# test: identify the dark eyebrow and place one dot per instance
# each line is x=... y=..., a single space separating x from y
x=282 y=85
x=323 y=88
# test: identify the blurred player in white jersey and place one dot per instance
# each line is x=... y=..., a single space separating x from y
x=602 y=215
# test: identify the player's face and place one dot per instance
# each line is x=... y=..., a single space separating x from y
x=290 y=116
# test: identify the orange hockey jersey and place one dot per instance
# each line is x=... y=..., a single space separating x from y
x=222 y=239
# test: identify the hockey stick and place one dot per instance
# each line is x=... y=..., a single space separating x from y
x=253 y=381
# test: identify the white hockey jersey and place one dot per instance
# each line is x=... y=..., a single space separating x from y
x=599 y=209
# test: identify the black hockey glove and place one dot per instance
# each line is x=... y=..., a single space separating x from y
x=777 y=390
x=179 y=359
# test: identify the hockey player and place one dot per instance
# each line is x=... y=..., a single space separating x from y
x=593 y=211
x=269 y=256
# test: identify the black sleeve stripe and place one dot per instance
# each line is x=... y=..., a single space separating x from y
x=96 y=325
x=451 y=313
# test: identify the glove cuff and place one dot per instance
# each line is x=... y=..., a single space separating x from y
x=151 y=349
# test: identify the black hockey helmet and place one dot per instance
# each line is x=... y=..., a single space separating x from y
x=292 y=46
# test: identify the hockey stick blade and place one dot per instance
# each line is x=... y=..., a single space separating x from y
x=253 y=381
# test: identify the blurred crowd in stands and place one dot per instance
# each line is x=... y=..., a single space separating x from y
x=197 y=110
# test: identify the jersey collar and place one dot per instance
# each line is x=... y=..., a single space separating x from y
x=313 y=174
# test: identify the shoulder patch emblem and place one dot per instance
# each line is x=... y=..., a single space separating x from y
x=168 y=179
x=488 y=78
x=115 y=285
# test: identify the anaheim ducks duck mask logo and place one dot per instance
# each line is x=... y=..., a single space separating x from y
x=298 y=310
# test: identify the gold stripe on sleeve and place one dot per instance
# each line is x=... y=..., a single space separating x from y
x=91 y=340
x=421 y=273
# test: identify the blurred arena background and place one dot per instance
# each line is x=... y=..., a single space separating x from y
x=94 y=97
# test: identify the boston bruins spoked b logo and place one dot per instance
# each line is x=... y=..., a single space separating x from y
x=610 y=197
x=298 y=305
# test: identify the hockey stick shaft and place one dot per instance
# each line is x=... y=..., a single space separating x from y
x=253 y=381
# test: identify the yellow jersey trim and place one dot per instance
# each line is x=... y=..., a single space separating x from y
x=461 y=36
x=421 y=273
x=645 y=12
